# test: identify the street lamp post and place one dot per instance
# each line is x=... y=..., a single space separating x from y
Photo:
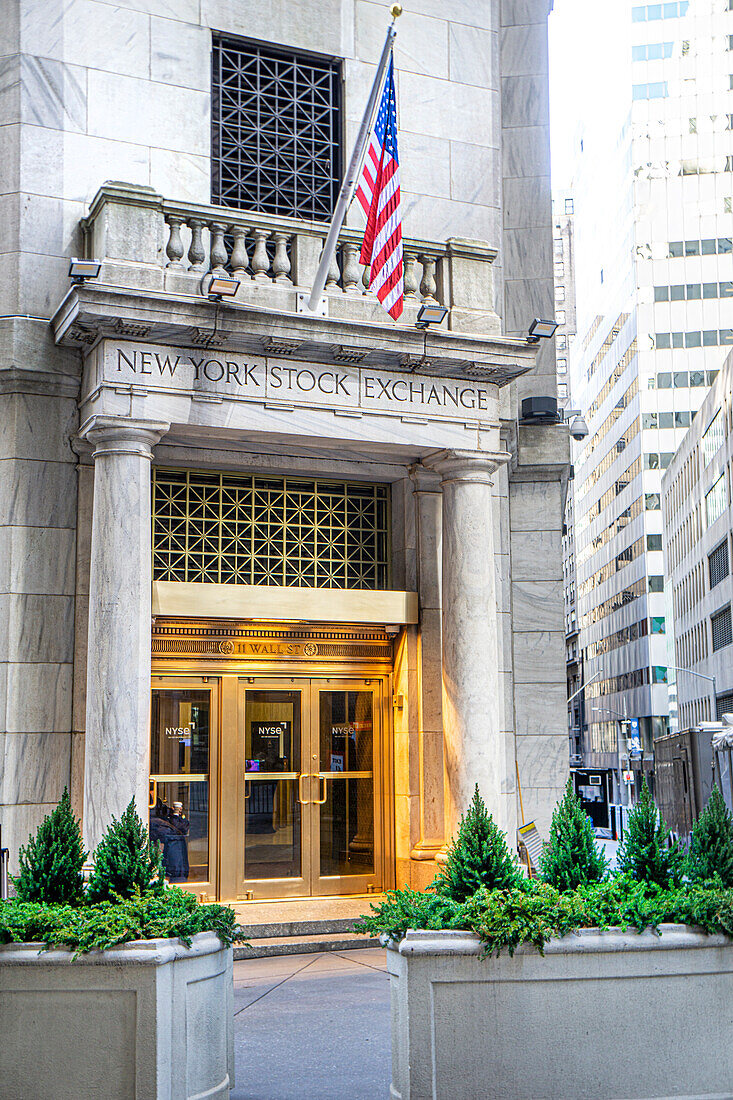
x=702 y=676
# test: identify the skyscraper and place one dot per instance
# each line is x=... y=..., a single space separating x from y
x=653 y=179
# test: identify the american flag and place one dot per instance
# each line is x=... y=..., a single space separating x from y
x=378 y=191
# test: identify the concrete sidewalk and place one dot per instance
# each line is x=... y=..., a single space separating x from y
x=312 y=1027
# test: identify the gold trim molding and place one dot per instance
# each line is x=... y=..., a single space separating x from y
x=271 y=603
x=178 y=639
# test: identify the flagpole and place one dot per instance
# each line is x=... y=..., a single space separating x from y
x=352 y=174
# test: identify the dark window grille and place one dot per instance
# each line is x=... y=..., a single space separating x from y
x=724 y=704
x=276 y=141
x=721 y=628
x=718 y=564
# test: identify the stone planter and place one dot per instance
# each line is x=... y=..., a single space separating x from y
x=603 y=1015
x=150 y=1020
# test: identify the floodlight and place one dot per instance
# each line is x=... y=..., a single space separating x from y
x=217 y=287
x=540 y=328
x=79 y=270
x=430 y=315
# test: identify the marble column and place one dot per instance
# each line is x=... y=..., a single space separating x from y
x=117 y=739
x=429 y=503
x=474 y=752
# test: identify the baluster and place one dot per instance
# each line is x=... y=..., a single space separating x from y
x=365 y=276
x=174 y=248
x=281 y=260
x=428 y=285
x=239 y=259
x=218 y=252
x=260 y=259
x=351 y=274
x=196 y=251
x=334 y=272
x=409 y=261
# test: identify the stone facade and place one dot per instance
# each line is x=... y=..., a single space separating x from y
x=124 y=93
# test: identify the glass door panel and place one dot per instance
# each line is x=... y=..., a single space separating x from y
x=347 y=728
x=273 y=791
x=180 y=744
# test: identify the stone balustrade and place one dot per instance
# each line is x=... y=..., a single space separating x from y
x=148 y=241
x=264 y=247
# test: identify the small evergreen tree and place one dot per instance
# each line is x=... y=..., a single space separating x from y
x=125 y=859
x=478 y=856
x=711 y=851
x=646 y=851
x=51 y=862
x=571 y=857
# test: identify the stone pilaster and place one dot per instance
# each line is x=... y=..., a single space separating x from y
x=429 y=503
x=474 y=751
x=116 y=766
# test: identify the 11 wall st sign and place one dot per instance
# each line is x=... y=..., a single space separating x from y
x=292 y=382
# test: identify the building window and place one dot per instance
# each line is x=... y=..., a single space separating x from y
x=655 y=90
x=724 y=705
x=652 y=502
x=654 y=542
x=569 y=207
x=276 y=130
x=656 y=584
x=720 y=625
x=658 y=625
x=218 y=528
x=718 y=565
x=712 y=439
x=715 y=501
x=659 y=674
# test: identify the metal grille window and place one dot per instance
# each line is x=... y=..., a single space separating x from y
x=721 y=628
x=718 y=564
x=225 y=529
x=724 y=705
x=276 y=142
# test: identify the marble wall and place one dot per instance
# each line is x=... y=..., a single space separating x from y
x=91 y=92
x=526 y=259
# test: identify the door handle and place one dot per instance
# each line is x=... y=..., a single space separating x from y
x=320 y=801
x=246 y=793
x=153 y=794
x=303 y=801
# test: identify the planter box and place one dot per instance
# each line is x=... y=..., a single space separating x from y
x=151 y=1020
x=603 y=1015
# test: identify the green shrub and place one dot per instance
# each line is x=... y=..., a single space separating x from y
x=571 y=856
x=51 y=862
x=125 y=860
x=408 y=908
x=478 y=856
x=711 y=851
x=533 y=911
x=169 y=913
x=646 y=852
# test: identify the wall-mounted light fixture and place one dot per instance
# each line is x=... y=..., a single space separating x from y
x=540 y=329
x=430 y=315
x=216 y=287
x=79 y=270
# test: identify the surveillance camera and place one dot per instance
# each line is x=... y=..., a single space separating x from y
x=578 y=428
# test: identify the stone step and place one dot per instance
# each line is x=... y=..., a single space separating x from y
x=267 y=946
x=269 y=929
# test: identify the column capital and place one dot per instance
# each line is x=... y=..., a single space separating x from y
x=473 y=467
x=122 y=435
x=423 y=479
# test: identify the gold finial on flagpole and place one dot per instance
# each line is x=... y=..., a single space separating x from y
x=396 y=11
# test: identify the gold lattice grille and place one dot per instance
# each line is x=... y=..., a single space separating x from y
x=226 y=529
